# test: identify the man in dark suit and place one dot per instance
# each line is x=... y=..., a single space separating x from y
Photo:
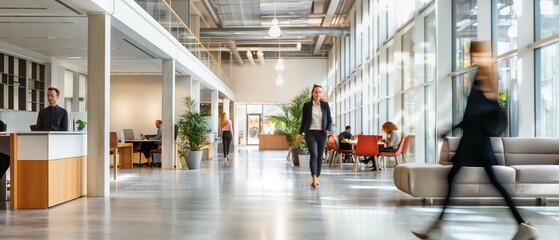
x=53 y=117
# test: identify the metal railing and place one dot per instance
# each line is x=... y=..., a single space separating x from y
x=163 y=13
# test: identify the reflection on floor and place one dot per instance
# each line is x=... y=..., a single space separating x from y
x=258 y=195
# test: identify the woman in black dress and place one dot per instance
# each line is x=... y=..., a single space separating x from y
x=474 y=149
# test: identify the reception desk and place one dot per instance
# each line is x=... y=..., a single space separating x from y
x=47 y=168
x=272 y=142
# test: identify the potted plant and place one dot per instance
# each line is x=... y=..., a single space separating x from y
x=81 y=124
x=289 y=122
x=192 y=134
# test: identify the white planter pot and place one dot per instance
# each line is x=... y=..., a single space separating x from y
x=304 y=161
x=194 y=159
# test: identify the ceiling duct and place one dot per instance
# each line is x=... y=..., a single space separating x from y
x=260 y=55
x=235 y=52
x=250 y=58
x=211 y=10
x=262 y=32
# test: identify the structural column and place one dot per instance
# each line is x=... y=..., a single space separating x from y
x=214 y=111
x=168 y=115
x=98 y=87
x=195 y=93
x=226 y=107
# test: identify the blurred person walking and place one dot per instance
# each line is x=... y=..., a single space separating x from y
x=481 y=119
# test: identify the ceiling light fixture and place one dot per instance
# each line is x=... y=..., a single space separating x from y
x=275 y=30
x=280 y=66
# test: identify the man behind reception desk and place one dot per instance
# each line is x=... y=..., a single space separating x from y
x=53 y=117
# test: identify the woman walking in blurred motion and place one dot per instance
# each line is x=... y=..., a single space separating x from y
x=316 y=124
x=226 y=135
x=478 y=125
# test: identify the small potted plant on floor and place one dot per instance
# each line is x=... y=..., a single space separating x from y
x=193 y=132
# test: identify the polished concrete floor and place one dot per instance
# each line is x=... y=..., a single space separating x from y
x=258 y=195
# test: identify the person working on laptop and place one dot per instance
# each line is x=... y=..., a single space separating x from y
x=148 y=146
x=53 y=117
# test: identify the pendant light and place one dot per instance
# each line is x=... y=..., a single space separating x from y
x=275 y=30
x=280 y=66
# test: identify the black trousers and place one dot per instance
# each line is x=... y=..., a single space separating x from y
x=4 y=164
x=146 y=148
x=491 y=174
x=226 y=138
x=316 y=142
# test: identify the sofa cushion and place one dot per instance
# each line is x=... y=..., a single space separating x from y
x=450 y=144
x=477 y=175
x=531 y=151
x=537 y=173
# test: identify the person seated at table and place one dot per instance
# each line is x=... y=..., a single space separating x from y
x=392 y=139
x=343 y=139
x=148 y=146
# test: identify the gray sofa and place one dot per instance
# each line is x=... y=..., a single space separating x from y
x=528 y=167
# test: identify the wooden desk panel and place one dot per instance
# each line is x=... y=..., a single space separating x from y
x=125 y=154
x=272 y=142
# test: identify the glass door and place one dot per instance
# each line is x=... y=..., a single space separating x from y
x=254 y=128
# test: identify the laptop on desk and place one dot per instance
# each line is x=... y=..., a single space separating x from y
x=128 y=134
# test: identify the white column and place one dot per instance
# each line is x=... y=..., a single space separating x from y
x=182 y=89
x=444 y=67
x=226 y=107
x=195 y=92
x=525 y=69
x=168 y=115
x=214 y=111
x=98 y=86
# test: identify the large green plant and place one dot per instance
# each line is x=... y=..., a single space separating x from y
x=193 y=128
x=289 y=122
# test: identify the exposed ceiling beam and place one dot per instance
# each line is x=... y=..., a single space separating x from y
x=326 y=23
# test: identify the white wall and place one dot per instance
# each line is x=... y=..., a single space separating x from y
x=136 y=102
x=258 y=83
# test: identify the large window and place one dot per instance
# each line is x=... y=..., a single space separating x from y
x=408 y=59
x=465 y=29
x=547 y=18
x=430 y=46
x=507 y=93
x=547 y=62
x=506 y=28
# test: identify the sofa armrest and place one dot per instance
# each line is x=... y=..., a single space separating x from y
x=422 y=180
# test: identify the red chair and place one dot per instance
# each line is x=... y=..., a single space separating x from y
x=338 y=153
x=330 y=148
x=367 y=146
x=397 y=154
